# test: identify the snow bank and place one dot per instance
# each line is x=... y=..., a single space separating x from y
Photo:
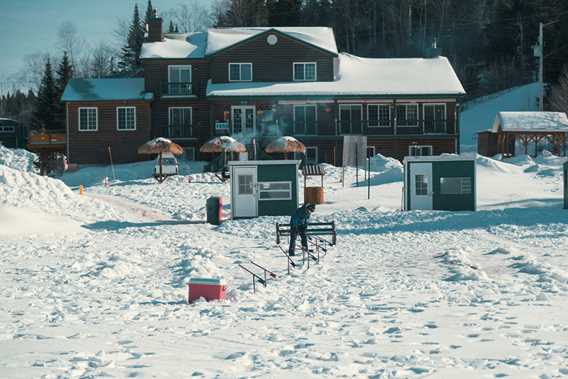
x=495 y=166
x=460 y=267
x=18 y=159
x=19 y=222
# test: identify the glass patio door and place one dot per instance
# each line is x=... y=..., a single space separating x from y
x=243 y=119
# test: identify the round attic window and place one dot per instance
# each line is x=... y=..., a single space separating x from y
x=272 y=39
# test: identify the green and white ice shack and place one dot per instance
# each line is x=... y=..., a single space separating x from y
x=264 y=188
x=444 y=182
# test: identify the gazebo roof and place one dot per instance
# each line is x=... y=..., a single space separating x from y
x=531 y=122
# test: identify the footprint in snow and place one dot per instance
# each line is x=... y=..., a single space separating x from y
x=235 y=355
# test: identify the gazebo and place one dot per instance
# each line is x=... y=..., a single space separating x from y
x=526 y=128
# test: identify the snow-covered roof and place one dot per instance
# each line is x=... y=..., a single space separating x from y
x=190 y=45
x=221 y=38
x=106 y=89
x=530 y=122
x=361 y=76
x=198 y=45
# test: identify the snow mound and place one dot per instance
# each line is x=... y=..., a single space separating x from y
x=24 y=189
x=496 y=166
x=460 y=267
x=380 y=163
x=548 y=159
x=531 y=266
x=521 y=160
x=17 y=159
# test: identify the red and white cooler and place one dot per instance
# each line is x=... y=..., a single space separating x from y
x=208 y=288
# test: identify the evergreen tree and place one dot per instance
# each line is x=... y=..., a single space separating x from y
x=149 y=13
x=46 y=110
x=64 y=74
x=130 y=54
x=171 y=27
x=176 y=30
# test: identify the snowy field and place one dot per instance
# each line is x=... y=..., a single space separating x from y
x=95 y=285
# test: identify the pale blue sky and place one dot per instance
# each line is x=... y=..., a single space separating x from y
x=30 y=26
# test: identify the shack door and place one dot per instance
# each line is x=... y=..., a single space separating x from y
x=245 y=200
x=421 y=186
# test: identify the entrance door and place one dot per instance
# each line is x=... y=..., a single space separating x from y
x=421 y=186
x=243 y=119
x=244 y=192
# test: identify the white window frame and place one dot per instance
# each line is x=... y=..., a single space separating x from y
x=191 y=156
x=118 y=123
x=315 y=148
x=7 y=129
x=188 y=66
x=170 y=114
x=315 y=120
x=424 y=116
x=374 y=151
x=96 y=119
x=465 y=182
x=278 y=190
x=378 y=125
x=240 y=71
x=304 y=64
x=406 y=115
x=410 y=147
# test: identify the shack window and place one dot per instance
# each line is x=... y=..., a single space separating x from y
x=455 y=186
x=245 y=184
x=421 y=185
x=275 y=191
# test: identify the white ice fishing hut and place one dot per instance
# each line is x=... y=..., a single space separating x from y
x=445 y=182
x=264 y=188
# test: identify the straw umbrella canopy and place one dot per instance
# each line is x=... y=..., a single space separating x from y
x=285 y=145
x=160 y=146
x=223 y=144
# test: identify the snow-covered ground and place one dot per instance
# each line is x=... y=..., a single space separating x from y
x=95 y=285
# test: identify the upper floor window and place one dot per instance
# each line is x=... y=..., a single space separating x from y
x=240 y=72
x=379 y=115
x=305 y=119
x=88 y=119
x=7 y=129
x=126 y=118
x=407 y=115
x=434 y=118
x=305 y=71
x=179 y=80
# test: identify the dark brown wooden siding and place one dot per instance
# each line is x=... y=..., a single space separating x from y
x=271 y=63
x=91 y=147
x=156 y=74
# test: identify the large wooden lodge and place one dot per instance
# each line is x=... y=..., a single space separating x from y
x=261 y=83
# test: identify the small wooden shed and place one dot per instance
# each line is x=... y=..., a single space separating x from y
x=313 y=195
x=445 y=182
x=264 y=188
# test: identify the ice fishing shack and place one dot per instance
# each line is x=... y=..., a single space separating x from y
x=263 y=188
x=444 y=182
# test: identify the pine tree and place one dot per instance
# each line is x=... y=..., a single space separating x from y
x=64 y=74
x=45 y=112
x=130 y=54
x=176 y=30
x=171 y=27
x=149 y=13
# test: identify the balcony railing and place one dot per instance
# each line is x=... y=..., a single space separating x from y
x=176 y=89
x=178 y=131
x=363 y=127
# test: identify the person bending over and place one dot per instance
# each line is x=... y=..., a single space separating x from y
x=298 y=225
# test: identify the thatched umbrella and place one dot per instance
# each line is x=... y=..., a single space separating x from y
x=223 y=144
x=159 y=146
x=285 y=145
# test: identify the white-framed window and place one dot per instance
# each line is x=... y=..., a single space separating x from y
x=350 y=117
x=455 y=186
x=305 y=119
x=371 y=151
x=305 y=71
x=420 y=150
x=311 y=155
x=179 y=80
x=125 y=118
x=379 y=115
x=274 y=191
x=88 y=119
x=421 y=185
x=189 y=153
x=240 y=72
x=407 y=115
x=245 y=185
x=434 y=116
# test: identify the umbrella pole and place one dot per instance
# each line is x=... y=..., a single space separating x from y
x=161 y=175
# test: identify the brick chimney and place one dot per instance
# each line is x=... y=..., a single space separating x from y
x=154 y=29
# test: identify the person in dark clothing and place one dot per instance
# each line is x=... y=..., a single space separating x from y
x=298 y=225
